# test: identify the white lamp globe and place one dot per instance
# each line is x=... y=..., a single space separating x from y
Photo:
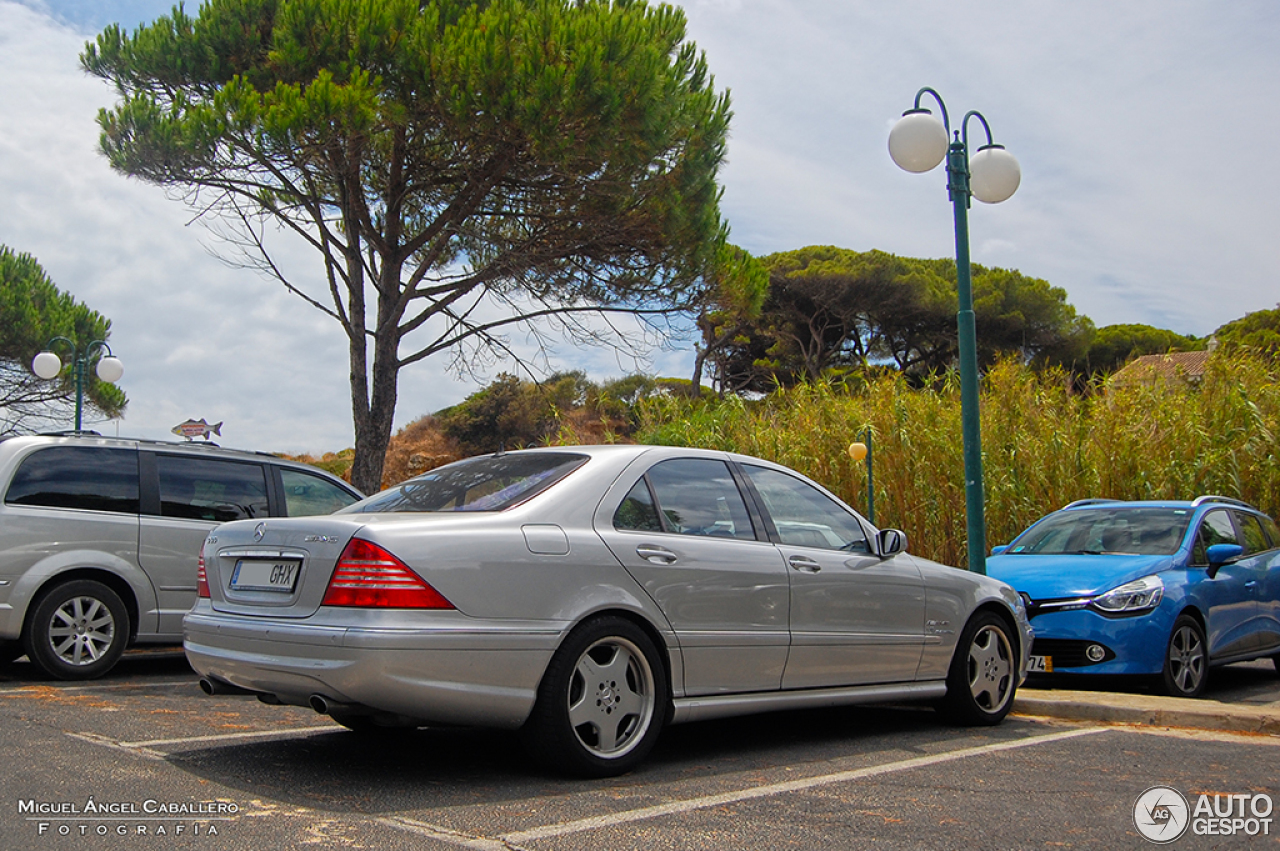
x=994 y=174
x=110 y=369
x=918 y=142
x=46 y=365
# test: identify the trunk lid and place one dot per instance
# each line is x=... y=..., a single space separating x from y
x=279 y=567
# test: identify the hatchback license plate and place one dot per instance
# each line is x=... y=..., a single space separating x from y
x=1041 y=665
x=266 y=575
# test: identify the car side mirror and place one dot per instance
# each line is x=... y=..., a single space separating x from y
x=891 y=542
x=1220 y=554
x=995 y=551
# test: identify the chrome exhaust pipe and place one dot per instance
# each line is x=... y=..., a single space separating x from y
x=212 y=686
x=328 y=706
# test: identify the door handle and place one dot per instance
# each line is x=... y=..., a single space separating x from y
x=656 y=555
x=804 y=565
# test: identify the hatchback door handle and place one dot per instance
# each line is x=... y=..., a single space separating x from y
x=805 y=565
x=656 y=555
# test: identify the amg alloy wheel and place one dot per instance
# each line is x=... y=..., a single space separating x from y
x=602 y=701
x=984 y=673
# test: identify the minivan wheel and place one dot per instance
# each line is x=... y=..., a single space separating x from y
x=602 y=701
x=77 y=630
x=984 y=673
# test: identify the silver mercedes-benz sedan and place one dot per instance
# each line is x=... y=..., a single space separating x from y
x=587 y=596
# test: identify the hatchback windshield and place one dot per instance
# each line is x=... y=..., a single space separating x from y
x=1140 y=531
x=490 y=483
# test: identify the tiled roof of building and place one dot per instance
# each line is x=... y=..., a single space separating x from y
x=1186 y=366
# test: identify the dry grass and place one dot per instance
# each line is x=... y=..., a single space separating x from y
x=1044 y=444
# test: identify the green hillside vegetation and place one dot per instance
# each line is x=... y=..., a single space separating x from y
x=1045 y=443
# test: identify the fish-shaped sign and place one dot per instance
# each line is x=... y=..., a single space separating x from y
x=192 y=429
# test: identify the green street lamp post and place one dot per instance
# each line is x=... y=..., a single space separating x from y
x=48 y=365
x=918 y=143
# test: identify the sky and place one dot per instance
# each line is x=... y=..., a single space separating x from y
x=1143 y=129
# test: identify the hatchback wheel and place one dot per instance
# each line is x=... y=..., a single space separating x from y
x=77 y=630
x=1186 y=662
x=984 y=673
x=601 y=703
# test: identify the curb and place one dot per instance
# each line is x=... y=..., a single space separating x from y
x=1151 y=711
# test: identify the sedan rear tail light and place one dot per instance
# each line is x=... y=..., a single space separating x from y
x=370 y=577
x=202 y=578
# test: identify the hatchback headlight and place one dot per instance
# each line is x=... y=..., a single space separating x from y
x=1136 y=596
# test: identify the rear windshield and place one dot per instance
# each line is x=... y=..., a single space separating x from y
x=490 y=483
x=1140 y=531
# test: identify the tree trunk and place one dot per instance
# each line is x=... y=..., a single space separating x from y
x=374 y=418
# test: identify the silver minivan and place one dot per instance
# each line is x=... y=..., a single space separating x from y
x=100 y=536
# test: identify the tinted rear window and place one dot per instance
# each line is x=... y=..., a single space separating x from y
x=211 y=489
x=490 y=483
x=86 y=477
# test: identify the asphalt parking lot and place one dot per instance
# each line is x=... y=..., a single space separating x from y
x=166 y=766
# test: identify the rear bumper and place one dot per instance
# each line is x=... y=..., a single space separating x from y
x=449 y=671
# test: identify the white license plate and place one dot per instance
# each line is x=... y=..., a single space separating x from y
x=266 y=575
x=1040 y=665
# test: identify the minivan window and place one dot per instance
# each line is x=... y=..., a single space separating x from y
x=95 y=478
x=211 y=489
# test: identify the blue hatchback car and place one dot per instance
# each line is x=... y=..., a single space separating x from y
x=1158 y=588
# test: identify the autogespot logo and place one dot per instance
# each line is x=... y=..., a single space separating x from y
x=1161 y=814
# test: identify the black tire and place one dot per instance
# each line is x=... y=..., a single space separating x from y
x=77 y=630
x=984 y=673
x=1186 y=659
x=601 y=703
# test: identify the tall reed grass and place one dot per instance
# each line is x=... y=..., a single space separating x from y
x=1044 y=443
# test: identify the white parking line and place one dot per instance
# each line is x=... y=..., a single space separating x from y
x=18 y=689
x=511 y=841
x=147 y=748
